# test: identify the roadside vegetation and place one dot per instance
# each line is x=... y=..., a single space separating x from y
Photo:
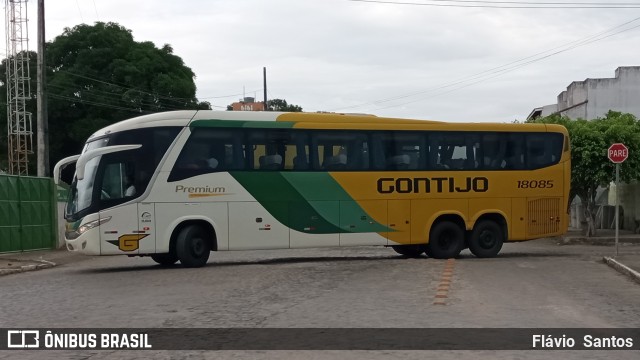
x=590 y=166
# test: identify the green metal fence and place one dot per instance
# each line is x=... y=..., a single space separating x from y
x=28 y=214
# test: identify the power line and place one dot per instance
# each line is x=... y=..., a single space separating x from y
x=508 y=4
x=227 y=96
x=167 y=97
x=96 y=10
x=504 y=71
x=500 y=69
x=96 y=103
x=79 y=11
x=108 y=96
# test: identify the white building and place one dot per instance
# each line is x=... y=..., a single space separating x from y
x=593 y=98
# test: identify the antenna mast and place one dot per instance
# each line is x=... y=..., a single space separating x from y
x=18 y=87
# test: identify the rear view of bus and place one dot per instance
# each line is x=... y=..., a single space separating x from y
x=177 y=185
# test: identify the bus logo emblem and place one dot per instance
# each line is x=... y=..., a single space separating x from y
x=128 y=242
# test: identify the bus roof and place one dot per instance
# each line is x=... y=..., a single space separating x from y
x=308 y=120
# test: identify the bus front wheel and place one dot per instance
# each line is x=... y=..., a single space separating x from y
x=486 y=239
x=192 y=247
x=165 y=259
x=446 y=240
x=412 y=251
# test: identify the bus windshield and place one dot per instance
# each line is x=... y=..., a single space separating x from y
x=80 y=195
x=118 y=177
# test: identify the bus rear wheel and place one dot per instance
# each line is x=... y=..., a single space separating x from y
x=446 y=240
x=165 y=259
x=486 y=239
x=192 y=247
x=412 y=251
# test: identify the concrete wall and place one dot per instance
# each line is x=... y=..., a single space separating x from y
x=629 y=200
x=593 y=98
x=61 y=225
x=573 y=100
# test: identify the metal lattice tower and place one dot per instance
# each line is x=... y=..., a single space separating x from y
x=18 y=87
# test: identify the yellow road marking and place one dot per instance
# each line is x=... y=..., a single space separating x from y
x=442 y=291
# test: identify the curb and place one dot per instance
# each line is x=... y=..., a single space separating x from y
x=43 y=264
x=597 y=241
x=622 y=268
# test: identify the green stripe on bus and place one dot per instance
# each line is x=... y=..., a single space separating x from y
x=242 y=124
x=306 y=202
x=322 y=186
x=286 y=204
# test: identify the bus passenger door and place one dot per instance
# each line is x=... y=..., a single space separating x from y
x=362 y=222
x=399 y=220
x=251 y=225
x=120 y=234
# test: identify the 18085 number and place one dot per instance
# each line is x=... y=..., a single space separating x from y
x=535 y=184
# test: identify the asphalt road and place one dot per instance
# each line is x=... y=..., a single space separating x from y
x=530 y=285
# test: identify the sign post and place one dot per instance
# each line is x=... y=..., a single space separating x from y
x=617 y=153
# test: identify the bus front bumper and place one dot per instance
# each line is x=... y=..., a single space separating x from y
x=86 y=238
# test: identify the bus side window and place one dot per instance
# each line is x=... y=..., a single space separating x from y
x=398 y=150
x=378 y=151
x=295 y=151
x=209 y=150
x=338 y=151
x=514 y=157
x=493 y=151
x=543 y=149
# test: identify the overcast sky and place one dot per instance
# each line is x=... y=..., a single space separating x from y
x=422 y=62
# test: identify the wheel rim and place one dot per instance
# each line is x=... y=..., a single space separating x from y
x=487 y=239
x=446 y=240
x=197 y=247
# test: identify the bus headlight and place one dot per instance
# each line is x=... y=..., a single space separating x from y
x=86 y=227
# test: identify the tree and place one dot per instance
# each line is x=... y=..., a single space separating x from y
x=281 y=105
x=277 y=105
x=590 y=166
x=98 y=75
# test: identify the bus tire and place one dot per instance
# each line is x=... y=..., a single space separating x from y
x=486 y=239
x=411 y=251
x=446 y=240
x=192 y=247
x=165 y=259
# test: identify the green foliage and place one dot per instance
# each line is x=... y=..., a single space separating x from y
x=281 y=105
x=98 y=75
x=277 y=105
x=590 y=140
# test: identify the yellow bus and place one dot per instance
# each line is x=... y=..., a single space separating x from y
x=177 y=185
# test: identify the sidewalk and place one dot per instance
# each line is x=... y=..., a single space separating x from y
x=626 y=262
x=11 y=263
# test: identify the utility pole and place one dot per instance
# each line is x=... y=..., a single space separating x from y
x=42 y=136
x=264 y=79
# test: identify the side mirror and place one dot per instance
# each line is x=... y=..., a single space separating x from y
x=61 y=165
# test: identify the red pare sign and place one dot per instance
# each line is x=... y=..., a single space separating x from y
x=618 y=153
